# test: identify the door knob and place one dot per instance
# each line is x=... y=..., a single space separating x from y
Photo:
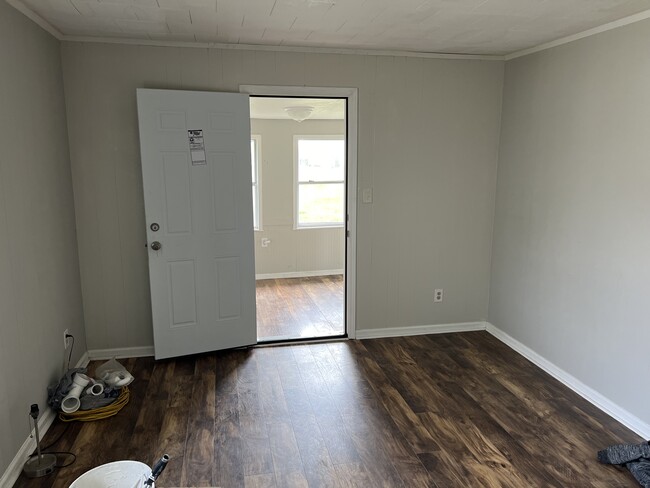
x=156 y=246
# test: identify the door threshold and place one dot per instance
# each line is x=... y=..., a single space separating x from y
x=286 y=341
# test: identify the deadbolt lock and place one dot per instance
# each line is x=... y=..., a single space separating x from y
x=154 y=227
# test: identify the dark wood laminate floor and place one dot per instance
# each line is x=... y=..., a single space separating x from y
x=292 y=308
x=452 y=410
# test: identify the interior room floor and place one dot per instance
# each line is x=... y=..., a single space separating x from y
x=451 y=410
x=292 y=308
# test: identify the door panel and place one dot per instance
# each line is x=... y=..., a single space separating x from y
x=203 y=277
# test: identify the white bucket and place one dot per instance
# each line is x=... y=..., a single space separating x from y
x=120 y=474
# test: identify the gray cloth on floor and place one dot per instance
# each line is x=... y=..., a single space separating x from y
x=641 y=471
x=624 y=453
x=635 y=457
x=56 y=392
x=90 y=402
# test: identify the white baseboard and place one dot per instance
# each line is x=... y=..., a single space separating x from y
x=299 y=274
x=419 y=330
x=121 y=352
x=45 y=420
x=609 y=407
x=83 y=360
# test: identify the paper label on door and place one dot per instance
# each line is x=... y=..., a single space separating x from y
x=197 y=147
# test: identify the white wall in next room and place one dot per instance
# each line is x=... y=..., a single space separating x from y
x=291 y=250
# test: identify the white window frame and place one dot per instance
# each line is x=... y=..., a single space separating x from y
x=296 y=183
x=257 y=186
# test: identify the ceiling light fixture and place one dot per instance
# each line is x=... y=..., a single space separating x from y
x=299 y=113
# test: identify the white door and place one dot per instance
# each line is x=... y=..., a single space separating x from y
x=196 y=170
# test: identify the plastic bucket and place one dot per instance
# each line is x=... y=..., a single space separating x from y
x=120 y=474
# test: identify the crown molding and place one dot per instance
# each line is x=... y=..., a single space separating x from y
x=37 y=19
x=581 y=35
x=291 y=49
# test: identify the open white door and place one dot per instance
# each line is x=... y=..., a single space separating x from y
x=196 y=169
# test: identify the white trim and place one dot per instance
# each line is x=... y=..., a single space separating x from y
x=581 y=35
x=606 y=405
x=299 y=274
x=83 y=360
x=45 y=421
x=121 y=352
x=414 y=330
x=37 y=19
x=289 y=49
x=352 y=125
x=258 y=184
x=352 y=95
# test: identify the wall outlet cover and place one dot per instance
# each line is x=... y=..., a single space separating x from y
x=438 y=295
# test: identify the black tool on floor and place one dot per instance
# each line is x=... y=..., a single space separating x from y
x=158 y=468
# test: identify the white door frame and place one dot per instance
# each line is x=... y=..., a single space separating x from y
x=351 y=94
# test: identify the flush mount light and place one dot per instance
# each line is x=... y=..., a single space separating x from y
x=299 y=113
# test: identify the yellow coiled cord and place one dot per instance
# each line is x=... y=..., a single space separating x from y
x=99 y=413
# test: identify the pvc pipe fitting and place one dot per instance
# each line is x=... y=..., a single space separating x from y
x=71 y=403
x=95 y=389
x=117 y=379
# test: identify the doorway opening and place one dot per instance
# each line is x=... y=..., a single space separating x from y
x=300 y=168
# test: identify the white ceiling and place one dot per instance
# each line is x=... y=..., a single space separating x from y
x=273 y=108
x=495 y=27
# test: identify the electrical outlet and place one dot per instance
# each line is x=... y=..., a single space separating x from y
x=65 y=338
x=437 y=295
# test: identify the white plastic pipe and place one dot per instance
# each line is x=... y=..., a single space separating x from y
x=117 y=379
x=71 y=403
x=95 y=389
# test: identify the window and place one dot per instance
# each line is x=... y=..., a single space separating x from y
x=320 y=181
x=255 y=156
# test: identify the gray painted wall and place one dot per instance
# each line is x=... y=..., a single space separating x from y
x=571 y=260
x=40 y=293
x=428 y=137
x=291 y=250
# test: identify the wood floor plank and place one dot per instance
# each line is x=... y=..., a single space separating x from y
x=173 y=432
x=452 y=410
x=256 y=447
x=304 y=311
x=564 y=459
x=228 y=452
x=260 y=481
x=291 y=479
x=143 y=444
x=314 y=455
x=198 y=462
x=327 y=294
x=287 y=463
x=337 y=439
x=375 y=459
x=352 y=475
x=284 y=449
x=300 y=307
x=405 y=419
